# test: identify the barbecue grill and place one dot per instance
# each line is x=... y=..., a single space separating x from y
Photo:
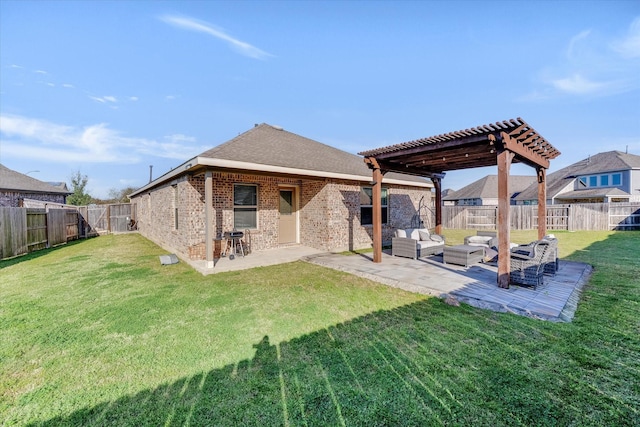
x=235 y=237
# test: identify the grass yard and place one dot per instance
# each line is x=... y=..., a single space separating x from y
x=97 y=332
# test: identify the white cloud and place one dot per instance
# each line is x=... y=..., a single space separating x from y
x=104 y=99
x=91 y=144
x=178 y=137
x=575 y=42
x=578 y=84
x=594 y=65
x=133 y=98
x=243 y=48
x=68 y=85
x=629 y=46
x=40 y=72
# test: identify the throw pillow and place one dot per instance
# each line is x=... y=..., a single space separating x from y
x=437 y=238
x=424 y=235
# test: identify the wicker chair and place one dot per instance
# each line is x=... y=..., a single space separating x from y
x=551 y=258
x=528 y=263
x=488 y=239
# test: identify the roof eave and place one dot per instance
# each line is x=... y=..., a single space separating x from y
x=199 y=162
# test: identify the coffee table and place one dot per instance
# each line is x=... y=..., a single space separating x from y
x=462 y=254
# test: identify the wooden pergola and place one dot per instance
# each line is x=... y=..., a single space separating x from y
x=501 y=144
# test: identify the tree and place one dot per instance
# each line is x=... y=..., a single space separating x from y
x=78 y=185
x=120 y=196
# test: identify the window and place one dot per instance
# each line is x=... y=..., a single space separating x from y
x=616 y=179
x=604 y=180
x=245 y=206
x=366 y=205
x=175 y=206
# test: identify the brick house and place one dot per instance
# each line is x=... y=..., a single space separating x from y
x=280 y=189
x=15 y=186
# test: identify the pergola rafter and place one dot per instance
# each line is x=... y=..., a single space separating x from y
x=496 y=144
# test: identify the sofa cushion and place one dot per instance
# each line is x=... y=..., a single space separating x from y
x=428 y=243
x=413 y=233
x=437 y=238
x=479 y=240
x=400 y=232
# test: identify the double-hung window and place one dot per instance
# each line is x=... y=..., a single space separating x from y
x=366 y=205
x=245 y=206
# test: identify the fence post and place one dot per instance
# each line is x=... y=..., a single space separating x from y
x=570 y=224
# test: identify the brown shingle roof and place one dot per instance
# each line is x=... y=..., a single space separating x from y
x=487 y=187
x=16 y=181
x=271 y=145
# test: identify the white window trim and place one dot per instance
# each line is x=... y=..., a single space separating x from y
x=247 y=206
x=598 y=177
x=371 y=206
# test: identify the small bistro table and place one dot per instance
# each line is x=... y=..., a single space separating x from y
x=462 y=254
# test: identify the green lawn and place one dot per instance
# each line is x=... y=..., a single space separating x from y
x=99 y=333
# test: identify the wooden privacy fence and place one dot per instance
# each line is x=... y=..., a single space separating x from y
x=24 y=230
x=40 y=225
x=586 y=216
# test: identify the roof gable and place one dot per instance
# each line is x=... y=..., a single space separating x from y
x=16 y=181
x=270 y=145
x=487 y=187
x=609 y=161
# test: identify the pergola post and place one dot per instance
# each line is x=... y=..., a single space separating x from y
x=437 y=184
x=504 y=218
x=542 y=202
x=377 y=214
x=208 y=217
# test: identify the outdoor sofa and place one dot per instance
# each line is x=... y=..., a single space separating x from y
x=415 y=243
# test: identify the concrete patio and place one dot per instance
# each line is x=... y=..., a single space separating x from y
x=476 y=285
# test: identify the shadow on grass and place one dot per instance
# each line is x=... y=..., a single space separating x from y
x=421 y=364
x=37 y=254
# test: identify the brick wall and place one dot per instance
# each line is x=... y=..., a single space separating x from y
x=329 y=212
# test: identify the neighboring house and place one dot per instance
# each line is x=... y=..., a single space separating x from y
x=484 y=192
x=612 y=176
x=280 y=189
x=15 y=186
x=446 y=193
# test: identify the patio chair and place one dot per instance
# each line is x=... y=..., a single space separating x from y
x=528 y=263
x=551 y=259
x=488 y=239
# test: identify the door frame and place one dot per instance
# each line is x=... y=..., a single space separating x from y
x=296 y=207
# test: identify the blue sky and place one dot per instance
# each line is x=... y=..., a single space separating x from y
x=111 y=87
